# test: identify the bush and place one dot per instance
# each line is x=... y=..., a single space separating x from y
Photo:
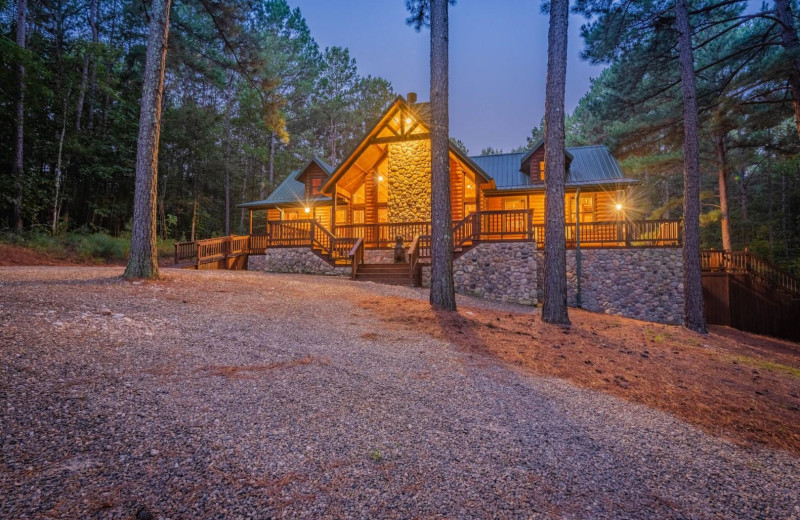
x=101 y=246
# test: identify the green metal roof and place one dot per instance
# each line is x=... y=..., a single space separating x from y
x=589 y=165
x=291 y=191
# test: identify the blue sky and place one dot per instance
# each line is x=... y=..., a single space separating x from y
x=498 y=59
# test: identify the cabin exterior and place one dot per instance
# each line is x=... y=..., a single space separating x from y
x=382 y=190
x=369 y=218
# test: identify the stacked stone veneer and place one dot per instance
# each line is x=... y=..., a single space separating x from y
x=502 y=271
x=644 y=284
x=409 y=179
x=294 y=260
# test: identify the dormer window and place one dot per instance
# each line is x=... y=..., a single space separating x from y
x=316 y=186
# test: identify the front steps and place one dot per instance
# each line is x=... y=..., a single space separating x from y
x=392 y=274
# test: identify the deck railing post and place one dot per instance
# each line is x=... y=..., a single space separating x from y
x=529 y=224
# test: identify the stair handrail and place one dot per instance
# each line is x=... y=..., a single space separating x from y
x=747 y=262
x=464 y=231
x=356 y=256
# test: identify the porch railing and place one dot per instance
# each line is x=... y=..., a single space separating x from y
x=744 y=262
x=623 y=233
x=382 y=235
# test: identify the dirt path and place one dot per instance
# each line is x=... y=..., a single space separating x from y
x=219 y=394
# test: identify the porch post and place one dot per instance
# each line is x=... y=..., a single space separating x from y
x=578 y=257
x=251 y=221
x=333 y=211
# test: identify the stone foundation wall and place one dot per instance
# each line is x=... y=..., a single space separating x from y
x=409 y=179
x=294 y=260
x=644 y=284
x=501 y=271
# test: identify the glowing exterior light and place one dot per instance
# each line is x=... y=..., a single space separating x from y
x=380 y=178
x=408 y=120
x=307 y=210
x=619 y=207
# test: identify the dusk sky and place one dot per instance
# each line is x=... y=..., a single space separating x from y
x=498 y=60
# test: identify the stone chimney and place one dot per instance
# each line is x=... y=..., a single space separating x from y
x=411 y=98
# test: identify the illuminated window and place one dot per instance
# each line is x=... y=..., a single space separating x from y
x=383 y=191
x=514 y=203
x=341 y=215
x=383 y=215
x=360 y=196
x=358 y=216
x=587 y=207
x=541 y=171
x=316 y=184
x=290 y=215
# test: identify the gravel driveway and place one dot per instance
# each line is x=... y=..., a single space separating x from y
x=220 y=394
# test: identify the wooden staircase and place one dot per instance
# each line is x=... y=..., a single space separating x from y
x=392 y=274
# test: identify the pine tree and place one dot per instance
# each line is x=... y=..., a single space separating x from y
x=143 y=262
x=554 y=304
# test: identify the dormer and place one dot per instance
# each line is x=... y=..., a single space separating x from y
x=313 y=177
x=532 y=163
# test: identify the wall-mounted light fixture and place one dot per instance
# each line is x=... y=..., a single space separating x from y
x=408 y=120
x=380 y=178
x=619 y=207
x=307 y=210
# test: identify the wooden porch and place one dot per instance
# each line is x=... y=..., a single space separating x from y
x=341 y=246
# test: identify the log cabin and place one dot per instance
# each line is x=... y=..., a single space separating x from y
x=385 y=182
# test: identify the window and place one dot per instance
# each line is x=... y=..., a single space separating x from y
x=358 y=216
x=316 y=184
x=514 y=203
x=587 y=208
x=341 y=215
x=541 y=171
x=290 y=215
x=383 y=215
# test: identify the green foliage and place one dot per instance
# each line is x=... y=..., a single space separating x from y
x=635 y=108
x=458 y=143
x=248 y=98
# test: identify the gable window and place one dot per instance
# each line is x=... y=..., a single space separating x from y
x=470 y=193
x=316 y=185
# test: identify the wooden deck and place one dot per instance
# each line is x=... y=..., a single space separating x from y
x=341 y=247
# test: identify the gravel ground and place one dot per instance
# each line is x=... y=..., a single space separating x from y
x=220 y=394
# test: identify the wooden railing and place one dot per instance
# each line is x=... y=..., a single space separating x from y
x=383 y=235
x=623 y=233
x=744 y=262
x=185 y=252
x=356 y=256
x=503 y=225
x=291 y=233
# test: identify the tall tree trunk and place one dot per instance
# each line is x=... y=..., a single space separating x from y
x=554 y=292
x=443 y=294
x=86 y=60
x=94 y=9
x=57 y=190
x=272 y=161
x=791 y=44
x=722 y=181
x=692 y=284
x=143 y=262
x=228 y=168
x=666 y=213
x=770 y=202
x=18 y=166
x=243 y=196
x=195 y=205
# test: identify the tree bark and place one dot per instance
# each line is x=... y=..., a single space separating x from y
x=57 y=190
x=722 y=181
x=694 y=318
x=554 y=291
x=443 y=294
x=272 y=161
x=143 y=262
x=18 y=166
x=791 y=44
x=86 y=61
x=94 y=8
